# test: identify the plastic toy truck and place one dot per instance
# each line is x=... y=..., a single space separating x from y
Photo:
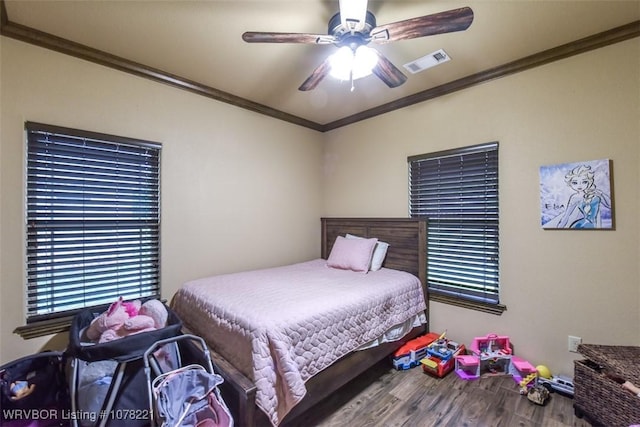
x=559 y=383
x=440 y=359
x=409 y=355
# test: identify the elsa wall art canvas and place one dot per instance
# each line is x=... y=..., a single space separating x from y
x=576 y=195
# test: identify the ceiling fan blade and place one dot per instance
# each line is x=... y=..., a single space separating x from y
x=266 y=37
x=316 y=77
x=387 y=72
x=438 y=23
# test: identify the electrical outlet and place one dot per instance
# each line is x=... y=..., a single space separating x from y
x=574 y=342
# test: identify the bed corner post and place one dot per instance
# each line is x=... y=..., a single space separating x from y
x=422 y=262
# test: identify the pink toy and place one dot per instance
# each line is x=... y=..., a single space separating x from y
x=491 y=346
x=523 y=372
x=132 y=307
x=157 y=311
x=112 y=319
x=131 y=326
x=467 y=367
x=138 y=323
x=493 y=354
x=127 y=318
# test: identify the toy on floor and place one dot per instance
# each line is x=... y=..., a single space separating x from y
x=440 y=358
x=527 y=383
x=409 y=355
x=558 y=383
x=489 y=354
x=538 y=394
x=492 y=354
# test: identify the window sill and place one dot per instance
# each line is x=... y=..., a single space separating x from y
x=44 y=327
x=496 y=309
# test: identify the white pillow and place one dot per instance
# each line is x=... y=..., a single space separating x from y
x=379 y=253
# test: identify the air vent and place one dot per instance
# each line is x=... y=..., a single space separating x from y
x=428 y=61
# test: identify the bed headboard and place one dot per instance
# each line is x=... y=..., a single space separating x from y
x=407 y=240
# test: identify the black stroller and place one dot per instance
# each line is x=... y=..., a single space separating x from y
x=107 y=382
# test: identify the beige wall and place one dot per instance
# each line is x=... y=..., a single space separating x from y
x=233 y=196
x=554 y=283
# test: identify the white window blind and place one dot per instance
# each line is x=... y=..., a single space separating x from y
x=93 y=220
x=457 y=192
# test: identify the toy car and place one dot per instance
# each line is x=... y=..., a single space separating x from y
x=440 y=359
x=559 y=383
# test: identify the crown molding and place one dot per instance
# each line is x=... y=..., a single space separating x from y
x=68 y=47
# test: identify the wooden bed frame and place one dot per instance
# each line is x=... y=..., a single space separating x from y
x=407 y=252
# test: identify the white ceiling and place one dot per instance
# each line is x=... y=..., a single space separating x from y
x=201 y=41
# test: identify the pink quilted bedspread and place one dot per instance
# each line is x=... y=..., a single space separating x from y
x=281 y=326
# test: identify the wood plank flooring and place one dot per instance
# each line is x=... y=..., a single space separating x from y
x=386 y=397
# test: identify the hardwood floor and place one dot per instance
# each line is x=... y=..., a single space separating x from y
x=386 y=397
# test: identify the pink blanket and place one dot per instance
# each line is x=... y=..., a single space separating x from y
x=281 y=326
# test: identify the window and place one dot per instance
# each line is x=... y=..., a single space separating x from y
x=457 y=192
x=93 y=220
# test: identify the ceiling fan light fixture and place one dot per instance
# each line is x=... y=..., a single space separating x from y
x=364 y=60
x=349 y=65
x=341 y=63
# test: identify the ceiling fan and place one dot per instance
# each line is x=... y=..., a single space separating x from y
x=355 y=27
